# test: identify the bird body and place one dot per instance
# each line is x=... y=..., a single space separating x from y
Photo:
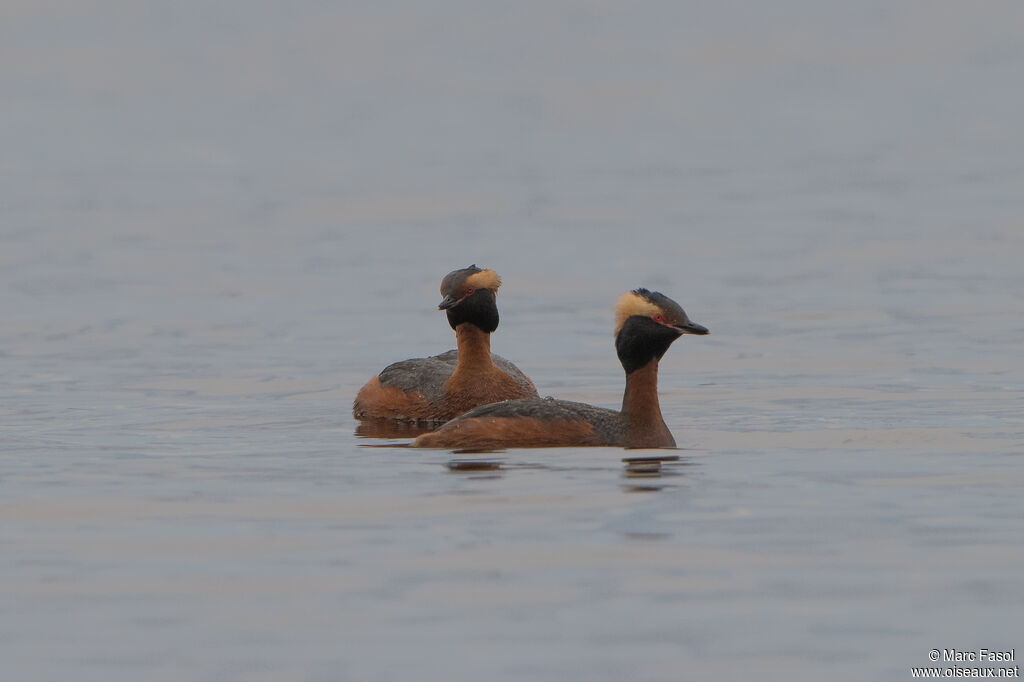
x=441 y=387
x=646 y=325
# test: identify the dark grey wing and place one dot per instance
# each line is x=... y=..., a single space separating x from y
x=513 y=371
x=609 y=425
x=426 y=375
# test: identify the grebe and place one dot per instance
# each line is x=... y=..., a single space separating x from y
x=444 y=386
x=647 y=323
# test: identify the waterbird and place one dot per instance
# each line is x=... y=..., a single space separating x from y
x=441 y=387
x=647 y=322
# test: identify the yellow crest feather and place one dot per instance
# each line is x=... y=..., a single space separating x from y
x=630 y=304
x=485 y=279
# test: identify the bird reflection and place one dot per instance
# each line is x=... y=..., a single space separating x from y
x=647 y=467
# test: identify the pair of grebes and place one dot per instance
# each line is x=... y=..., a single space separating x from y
x=484 y=400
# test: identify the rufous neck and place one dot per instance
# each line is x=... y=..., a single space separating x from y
x=474 y=347
x=640 y=401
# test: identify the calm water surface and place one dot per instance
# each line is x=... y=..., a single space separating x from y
x=220 y=220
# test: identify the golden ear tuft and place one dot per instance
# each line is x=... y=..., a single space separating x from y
x=485 y=279
x=630 y=304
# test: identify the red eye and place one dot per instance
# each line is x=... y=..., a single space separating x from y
x=469 y=291
x=659 y=318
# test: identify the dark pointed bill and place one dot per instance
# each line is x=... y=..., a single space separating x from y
x=691 y=328
x=448 y=302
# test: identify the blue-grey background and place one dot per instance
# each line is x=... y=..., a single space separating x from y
x=217 y=220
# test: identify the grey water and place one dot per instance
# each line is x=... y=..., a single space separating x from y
x=220 y=219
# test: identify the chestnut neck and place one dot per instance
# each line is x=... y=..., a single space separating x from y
x=474 y=346
x=641 y=410
x=640 y=401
